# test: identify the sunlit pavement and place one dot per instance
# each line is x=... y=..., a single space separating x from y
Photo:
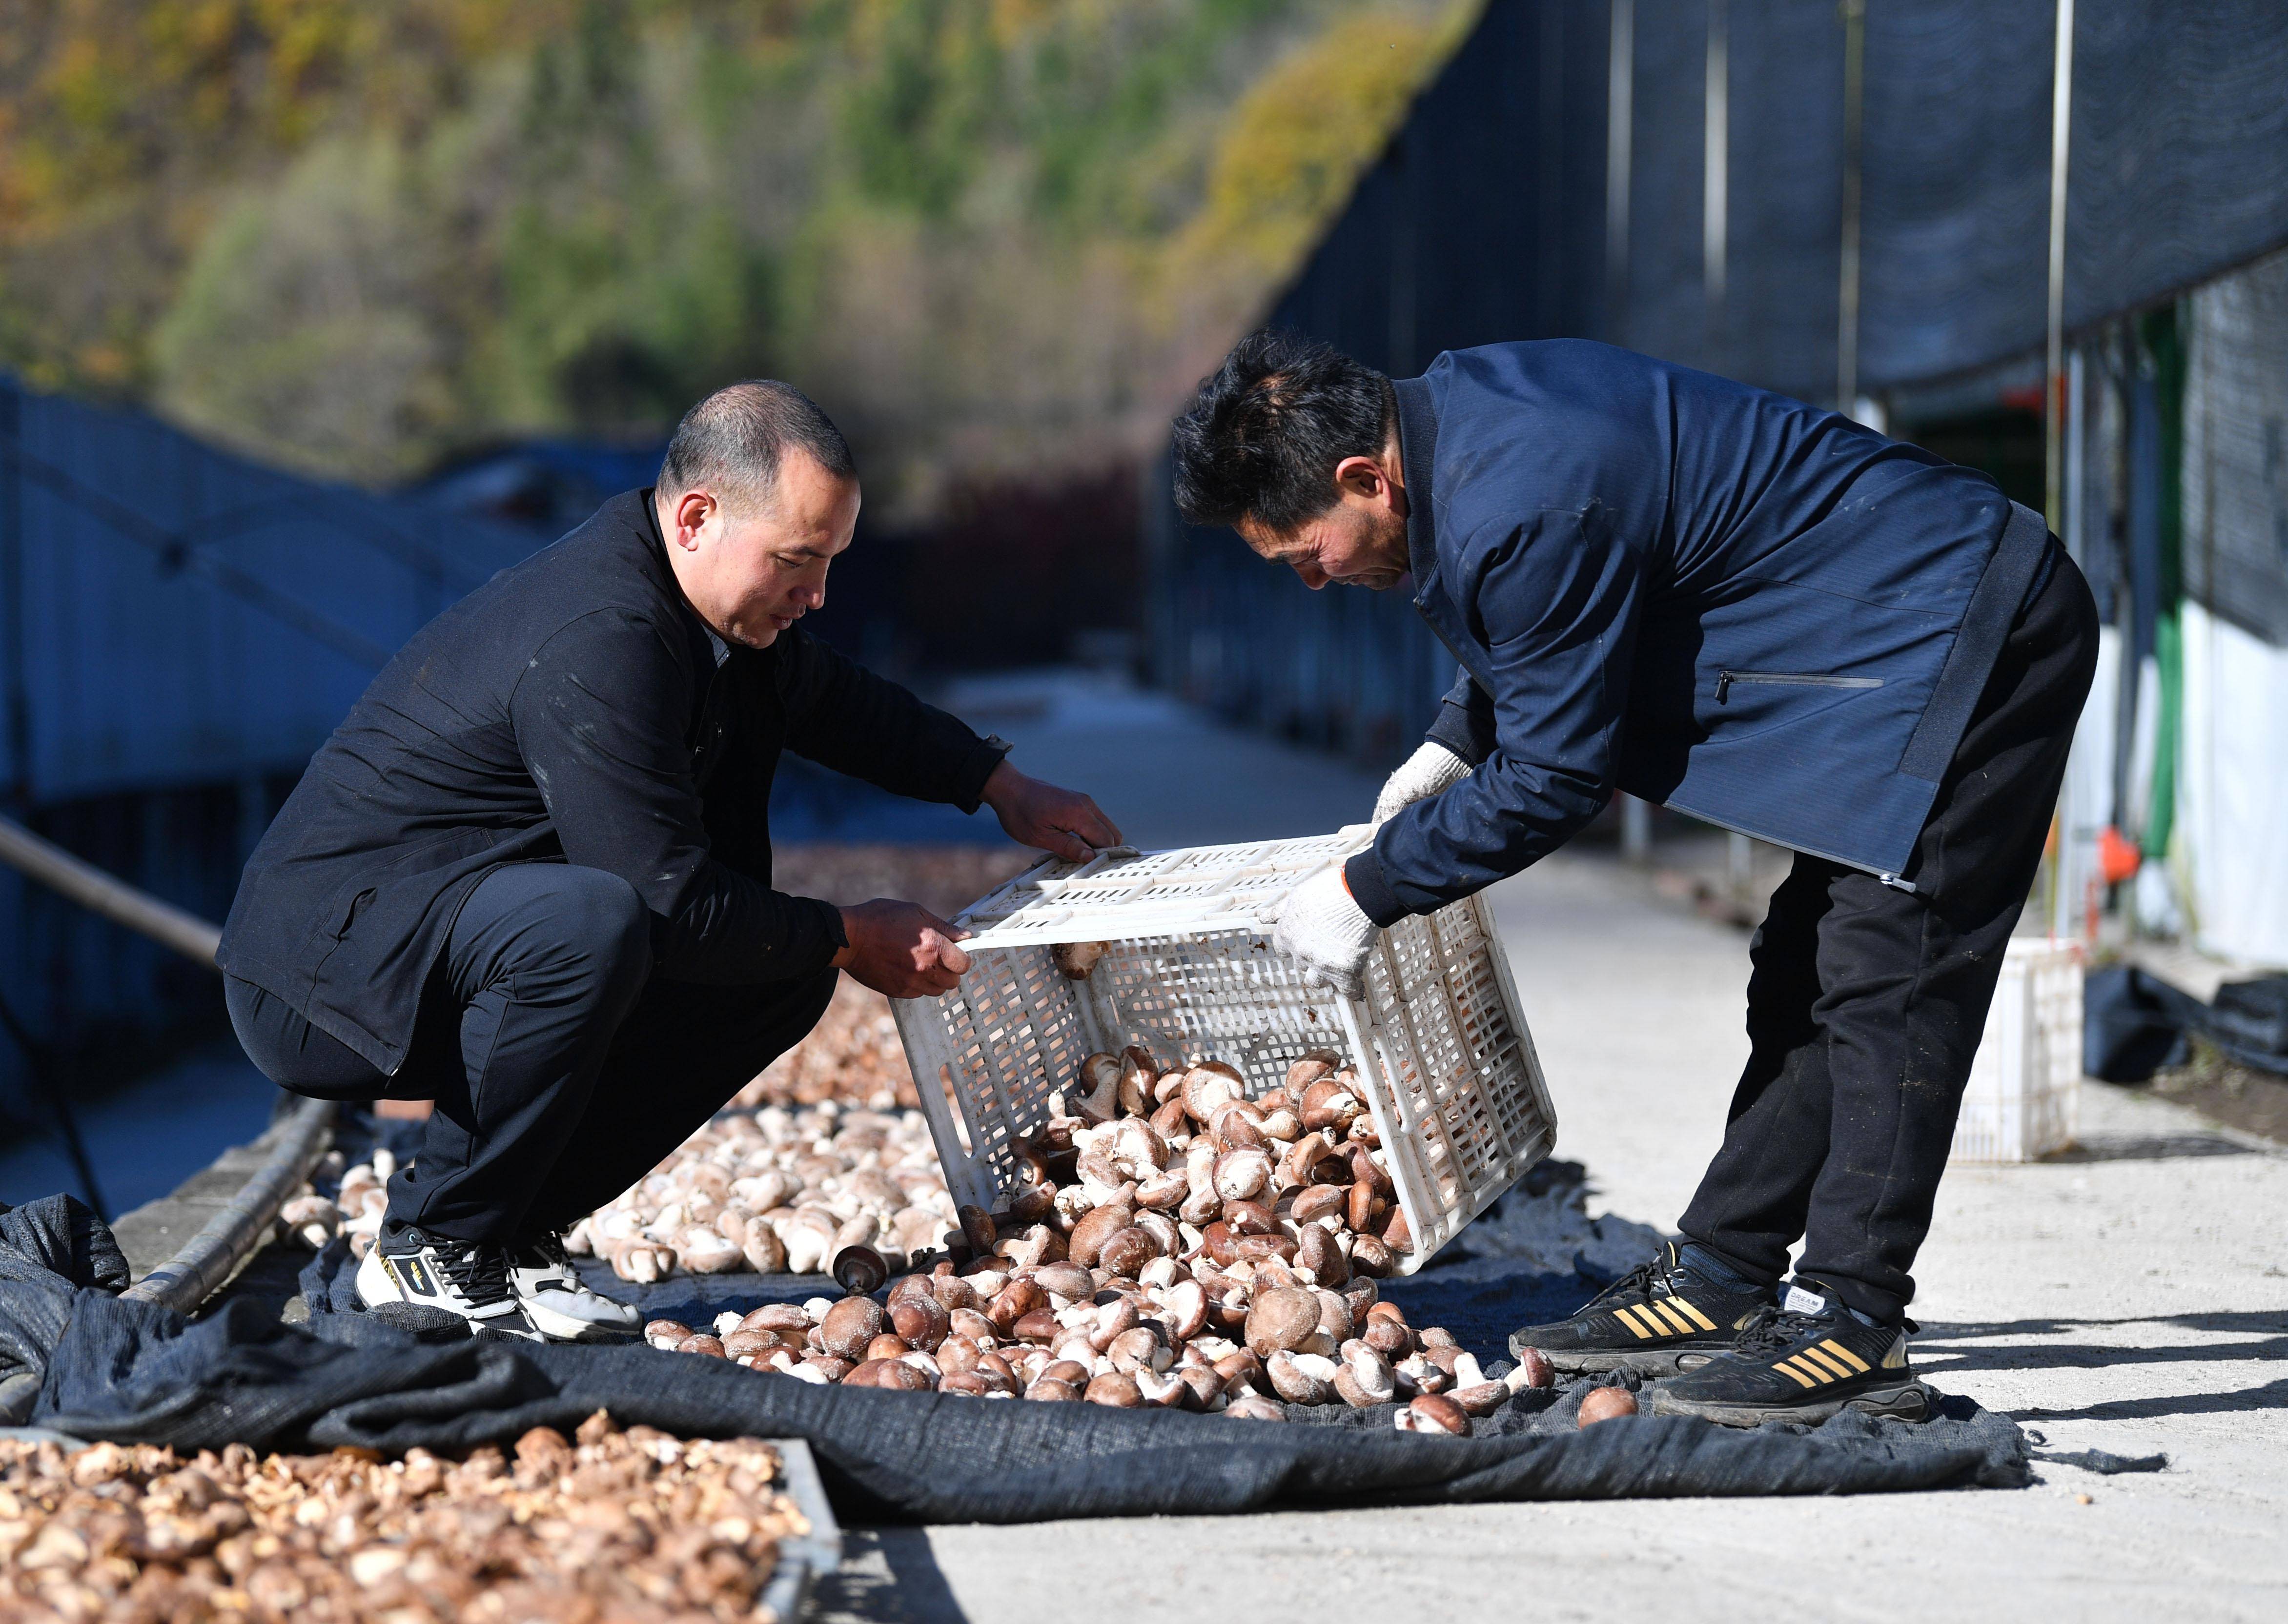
x=2131 y=1299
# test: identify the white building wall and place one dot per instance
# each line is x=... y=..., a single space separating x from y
x=2231 y=840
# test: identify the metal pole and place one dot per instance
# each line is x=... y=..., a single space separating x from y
x=1847 y=304
x=1620 y=114
x=2054 y=372
x=2075 y=823
x=1636 y=830
x=92 y=889
x=1715 y=164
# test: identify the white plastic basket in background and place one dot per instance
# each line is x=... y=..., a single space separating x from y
x=1443 y=1056
x=2024 y=1096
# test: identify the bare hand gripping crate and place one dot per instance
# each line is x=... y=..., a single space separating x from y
x=1442 y=1051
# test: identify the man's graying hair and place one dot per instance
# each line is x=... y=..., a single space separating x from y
x=732 y=441
x=1264 y=433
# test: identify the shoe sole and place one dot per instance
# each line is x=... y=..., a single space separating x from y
x=1603 y=1361
x=564 y=1328
x=1912 y=1402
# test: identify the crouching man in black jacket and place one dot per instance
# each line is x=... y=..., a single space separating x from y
x=530 y=877
x=1752 y=610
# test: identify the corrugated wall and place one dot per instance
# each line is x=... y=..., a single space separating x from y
x=1489 y=218
x=179 y=628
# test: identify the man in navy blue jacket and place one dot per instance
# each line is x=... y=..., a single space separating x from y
x=1761 y=613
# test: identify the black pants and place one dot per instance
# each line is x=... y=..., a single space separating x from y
x=1866 y=1003
x=562 y=1070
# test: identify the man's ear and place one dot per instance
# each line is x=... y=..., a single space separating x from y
x=692 y=510
x=1366 y=477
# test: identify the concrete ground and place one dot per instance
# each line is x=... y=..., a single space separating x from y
x=2130 y=1297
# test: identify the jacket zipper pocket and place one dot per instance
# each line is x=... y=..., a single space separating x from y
x=1788 y=680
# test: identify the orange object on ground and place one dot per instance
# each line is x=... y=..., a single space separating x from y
x=2116 y=859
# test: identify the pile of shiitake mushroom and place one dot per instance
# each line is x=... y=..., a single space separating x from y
x=605 y=1525
x=779 y=1191
x=1166 y=1240
x=772 y=1191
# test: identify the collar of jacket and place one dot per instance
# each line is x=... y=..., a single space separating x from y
x=701 y=634
x=1418 y=452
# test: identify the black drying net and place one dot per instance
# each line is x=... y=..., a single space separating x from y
x=133 y=1372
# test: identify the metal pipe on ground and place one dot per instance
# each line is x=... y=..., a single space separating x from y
x=98 y=892
x=213 y=1255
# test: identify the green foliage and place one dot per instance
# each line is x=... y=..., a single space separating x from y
x=991 y=235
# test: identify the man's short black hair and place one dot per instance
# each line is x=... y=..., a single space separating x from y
x=732 y=441
x=1265 y=431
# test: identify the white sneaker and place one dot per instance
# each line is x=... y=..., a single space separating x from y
x=419 y=1270
x=542 y=1275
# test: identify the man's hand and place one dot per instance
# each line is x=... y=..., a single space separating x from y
x=900 y=949
x=1063 y=821
x=1430 y=770
x=1322 y=929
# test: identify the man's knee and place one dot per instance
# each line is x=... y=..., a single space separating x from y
x=556 y=925
x=605 y=922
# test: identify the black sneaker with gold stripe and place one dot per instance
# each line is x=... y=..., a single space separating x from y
x=1804 y=1360
x=1662 y=1317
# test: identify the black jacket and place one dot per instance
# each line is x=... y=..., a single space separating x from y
x=572 y=709
x=1714 y=597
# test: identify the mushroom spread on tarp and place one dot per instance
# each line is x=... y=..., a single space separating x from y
x=1168 y=1241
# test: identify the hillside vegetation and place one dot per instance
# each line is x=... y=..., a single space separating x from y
x=995 y=237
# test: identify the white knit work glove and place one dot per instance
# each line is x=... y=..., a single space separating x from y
x=1323 y=930
x=1430 y=770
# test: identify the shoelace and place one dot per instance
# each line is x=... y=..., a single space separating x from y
x=1773 y=1329
x=478 y=1273
x=1639 y=1279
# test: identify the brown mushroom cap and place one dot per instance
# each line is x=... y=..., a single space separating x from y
x=1317 y=1252
x=1253 y=1406
x=1606 y=1404
x=1114 y=1389
x=1280 y=1321
x=1388 y=1334
x=849 y=1326
x=1068 y=1280
x=1097 y=1226
x=920 y=1318
x=1126 y=1251
x=1015 y=1300
x=1436 y=1412
x=1317 y=1201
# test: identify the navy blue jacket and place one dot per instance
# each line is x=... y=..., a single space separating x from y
x=572 y=709
x=1711 y=597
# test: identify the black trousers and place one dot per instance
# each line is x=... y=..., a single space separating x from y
x=563 y=1071
x=1866 y=1003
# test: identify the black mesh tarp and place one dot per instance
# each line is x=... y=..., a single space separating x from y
x=131 y=1372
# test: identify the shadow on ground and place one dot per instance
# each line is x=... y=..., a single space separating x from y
x=1953 y=1349
x=886 y=1574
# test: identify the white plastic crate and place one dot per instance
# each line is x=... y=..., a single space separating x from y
x=2024 y=1095
x=1442 y=1051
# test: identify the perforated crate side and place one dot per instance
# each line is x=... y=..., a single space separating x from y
x=1445 y=1061
x=1001 y=1042
x=2024 y=1097
x=1467 y=1106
